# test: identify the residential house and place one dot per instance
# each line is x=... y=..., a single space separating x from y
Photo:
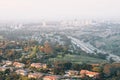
x=89 y=73
x=18 y=65
x=51 y=78
x=72 y=72
x=44 y=66
x=21 y=72
x=7 y=63
x=35 y=75
x=39 y=65
x=3 y=68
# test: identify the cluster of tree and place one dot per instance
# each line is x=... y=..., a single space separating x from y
x=111 y=70
x=60 y=67
x=11 y=54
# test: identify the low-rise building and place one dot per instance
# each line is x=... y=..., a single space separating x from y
x=89 y=73
x=8 y=63
x=39 y=65
x=36 y=65
x=18 y=65
x=21 y=72
x=35 y=75
x=51 y=78
x=72 y=72
x=3 y=68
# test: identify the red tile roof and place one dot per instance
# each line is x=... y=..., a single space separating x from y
x=89 y=73
x=50 y=77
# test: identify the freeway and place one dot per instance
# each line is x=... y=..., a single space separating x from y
x=88 y=48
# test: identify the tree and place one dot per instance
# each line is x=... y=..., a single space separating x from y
x=97 y=69
x=107 y=70
x=47 y=48
x=7 y=71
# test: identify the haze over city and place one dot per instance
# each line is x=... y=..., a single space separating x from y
x=30 y=10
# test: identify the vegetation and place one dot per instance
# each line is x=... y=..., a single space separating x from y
x=77 y=59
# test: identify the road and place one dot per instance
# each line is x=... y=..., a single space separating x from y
x=88 y=48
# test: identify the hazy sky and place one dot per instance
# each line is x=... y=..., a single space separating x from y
x=58 y=9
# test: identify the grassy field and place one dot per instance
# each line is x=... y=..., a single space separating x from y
x=77 y=59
